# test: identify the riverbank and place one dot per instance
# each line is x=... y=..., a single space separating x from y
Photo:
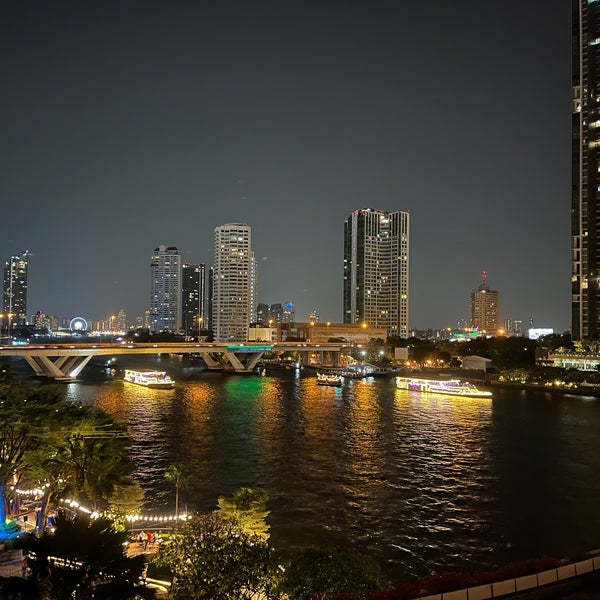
x=587 y=391
x=485 y=379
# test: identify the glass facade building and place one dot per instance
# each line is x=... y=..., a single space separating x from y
x=14 y=297
x=193 y=301
x=585 y=202
x=165 y=289
x=376 y=270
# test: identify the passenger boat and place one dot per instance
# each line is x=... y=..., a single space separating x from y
x=149 y=379
x=449 y=387
x=329 y=379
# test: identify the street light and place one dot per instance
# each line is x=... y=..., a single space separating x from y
x=9 y=316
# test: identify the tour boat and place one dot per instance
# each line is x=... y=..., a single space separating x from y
x=329 y=379
x=150 y=379
x=449 y=387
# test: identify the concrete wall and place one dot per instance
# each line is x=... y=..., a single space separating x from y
x=527 y=582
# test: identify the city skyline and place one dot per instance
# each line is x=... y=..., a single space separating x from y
x=125 y=129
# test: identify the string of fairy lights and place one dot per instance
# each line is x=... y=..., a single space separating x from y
x=39 y=492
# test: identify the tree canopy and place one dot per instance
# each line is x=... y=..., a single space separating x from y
x=213 y=558
x=249 y=507
x=30 y=417
x=64 y=447
x=84 y=558
x=321 y=572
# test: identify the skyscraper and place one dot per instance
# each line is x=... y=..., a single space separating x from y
x=193 y=302
x=484 y=307
x=14 y=297
x=165 y=289
x=234 y=283
x=376 y=270
x=585 y=202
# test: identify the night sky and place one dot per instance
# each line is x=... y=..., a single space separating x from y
x=126 y=124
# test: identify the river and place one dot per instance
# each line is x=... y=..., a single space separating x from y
x=422 y=483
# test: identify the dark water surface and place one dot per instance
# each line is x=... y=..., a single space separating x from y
x=423 y=483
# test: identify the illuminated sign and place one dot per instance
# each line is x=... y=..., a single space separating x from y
x=242 y=348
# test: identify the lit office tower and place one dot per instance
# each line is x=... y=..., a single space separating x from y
x=193 y=297
x=14 y=299
x=165 y=289
x=209 y=299
x=376 y=269
x=484 y=307
x=234 y=283
x=585 y=202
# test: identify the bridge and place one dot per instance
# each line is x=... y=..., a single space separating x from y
x=64 y=362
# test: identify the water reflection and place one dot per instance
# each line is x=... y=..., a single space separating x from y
x=423 y=482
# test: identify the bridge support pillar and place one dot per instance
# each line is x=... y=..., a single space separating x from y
x=65 y=367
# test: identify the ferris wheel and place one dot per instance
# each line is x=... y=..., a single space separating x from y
x=78 y=325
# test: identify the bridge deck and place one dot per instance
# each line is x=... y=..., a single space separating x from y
x=66 y=361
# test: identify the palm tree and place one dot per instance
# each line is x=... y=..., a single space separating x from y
x=178 y=474
x=90 y=465
x=84 y=556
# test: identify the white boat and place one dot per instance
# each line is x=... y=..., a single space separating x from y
x=329 y=379
x=150 y=379
x=449 y=387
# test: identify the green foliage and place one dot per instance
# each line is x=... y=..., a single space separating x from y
x=83 y=556
x=9 y=528
x=213 y=558
x=89 y=462
x=320 y=572
x=78 y=450
x=249 y=507
x=178 y=474
x=29 y=417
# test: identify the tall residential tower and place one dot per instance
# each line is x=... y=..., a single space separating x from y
x=585 y=202
x=484 y=307
x=14 y=296
x=376 y=269
x=165 y=289
x=234 y=283
x=193 y=297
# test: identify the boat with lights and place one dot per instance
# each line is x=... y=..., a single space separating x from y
x=448 y=387
x=149 y=379
x=334 y=379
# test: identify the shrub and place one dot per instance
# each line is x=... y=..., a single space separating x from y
x=447 y=582
x=401 y=591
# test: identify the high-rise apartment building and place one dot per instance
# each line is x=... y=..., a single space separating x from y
x=121 y=321
x=484 y=307
x=165 y=289
x=269 y=314
x=193 y=302
x=234 y=283
x=585 y=203
x=14 y=297
x=209 y=299
x=376 y=270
